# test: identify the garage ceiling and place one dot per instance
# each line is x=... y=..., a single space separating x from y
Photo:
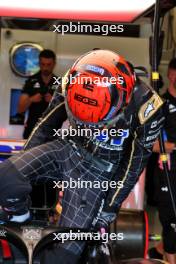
x=90 y=10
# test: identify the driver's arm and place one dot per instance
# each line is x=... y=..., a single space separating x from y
x=135 y=159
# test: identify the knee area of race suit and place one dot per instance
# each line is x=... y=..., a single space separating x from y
x=80 y=208
x=14 y=188
x=169 y=238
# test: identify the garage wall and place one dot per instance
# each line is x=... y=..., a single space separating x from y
x=68 y=48
x=9 y=80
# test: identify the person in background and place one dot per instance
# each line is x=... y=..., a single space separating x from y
x=37 y=91
x=164 y=203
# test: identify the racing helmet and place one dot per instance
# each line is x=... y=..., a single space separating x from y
x=99 y=85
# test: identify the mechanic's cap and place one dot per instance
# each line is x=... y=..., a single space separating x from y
x=99 y=85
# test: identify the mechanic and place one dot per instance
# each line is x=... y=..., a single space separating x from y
x=97 y=104
x=164 y=204
x=37 y=91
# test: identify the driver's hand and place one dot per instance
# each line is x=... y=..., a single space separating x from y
x=102 y=221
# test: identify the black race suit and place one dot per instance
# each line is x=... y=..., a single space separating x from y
x=166 y=212
x=119 y=158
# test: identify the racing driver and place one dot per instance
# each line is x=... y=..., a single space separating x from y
x=102 y=93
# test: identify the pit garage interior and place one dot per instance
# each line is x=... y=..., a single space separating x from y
x=27 y=24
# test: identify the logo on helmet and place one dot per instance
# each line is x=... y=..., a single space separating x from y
x=85 y=100
x=95 y=69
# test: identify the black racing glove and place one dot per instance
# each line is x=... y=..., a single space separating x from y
x=104 y=220
x=105 y=216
